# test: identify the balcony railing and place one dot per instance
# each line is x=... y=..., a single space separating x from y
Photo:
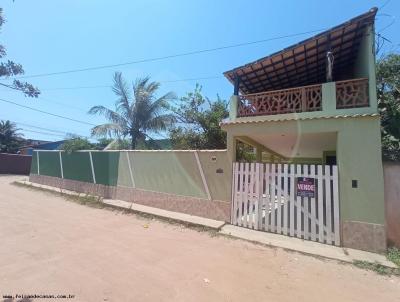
x=301 y=99
x=352 y=94
x=349 y=94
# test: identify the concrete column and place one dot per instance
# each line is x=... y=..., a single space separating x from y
x=233 y=104
x=329 y=98
x=258 y=155
x=231 y=147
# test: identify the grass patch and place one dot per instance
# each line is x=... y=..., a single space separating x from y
x=393 y=255
x=378 y=268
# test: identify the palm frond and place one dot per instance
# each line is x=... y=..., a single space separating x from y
x=162 y=103
x=144 y=90
x=160 y=122
x=121 y=89
x=107 y=130
x=109 y=114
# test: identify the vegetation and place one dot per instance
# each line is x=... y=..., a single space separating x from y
x=198 y=122
x=10 y=139
x=138 y=112
x=388 y=92
x=245 y=152
x=393 y=255
x=376 y=267
x=77 y=143
x=10 y=68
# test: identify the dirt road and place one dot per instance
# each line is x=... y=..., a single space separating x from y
x=53 y=246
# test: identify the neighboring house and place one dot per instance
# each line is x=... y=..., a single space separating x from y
x=315 y=103
x=40 y=145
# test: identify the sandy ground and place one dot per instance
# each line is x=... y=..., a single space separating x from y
x=53 y=246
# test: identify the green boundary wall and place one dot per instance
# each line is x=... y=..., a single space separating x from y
x=203 y=174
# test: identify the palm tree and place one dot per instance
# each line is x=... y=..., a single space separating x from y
x=138 y=112
x=10 y=139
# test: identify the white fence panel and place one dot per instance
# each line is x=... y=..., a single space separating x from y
x=265 y=197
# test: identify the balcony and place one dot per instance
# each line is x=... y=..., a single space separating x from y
x=349 y=94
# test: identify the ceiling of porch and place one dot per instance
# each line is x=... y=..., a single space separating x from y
x=298 y=145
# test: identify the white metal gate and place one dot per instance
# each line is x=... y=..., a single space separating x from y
x=264 y=197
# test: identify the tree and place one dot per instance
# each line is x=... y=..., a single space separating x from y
x=388 y=92
x=138 y=112
x=10 y=139
x=10 y=69
x=198 y=122
x=76 y=143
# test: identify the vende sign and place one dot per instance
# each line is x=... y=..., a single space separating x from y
x=305 y=186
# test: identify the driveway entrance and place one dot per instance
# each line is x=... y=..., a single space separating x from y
x=295 y=200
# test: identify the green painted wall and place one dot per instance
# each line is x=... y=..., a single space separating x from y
x=124 y=178
x=49 y=164
x=34 y=163
x=174 y=172
x=169 y=172
x=76 y=166
x=106 y=167
x=358 y=155
x=177 y=172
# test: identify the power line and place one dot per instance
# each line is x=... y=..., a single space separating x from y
x=50 y=130
x=37 y=127
x=62 y=104
x=44 y=133
x=384 y=4
x=110 y=86
x=168 y=56
x=41 y=98
x=48 y=113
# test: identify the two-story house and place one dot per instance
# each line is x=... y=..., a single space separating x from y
x=314 y=105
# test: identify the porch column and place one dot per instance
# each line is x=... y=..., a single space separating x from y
x=233 y=104
x=258 y=155
x=231 y=147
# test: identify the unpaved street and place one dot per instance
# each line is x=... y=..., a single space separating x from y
x=53 y=246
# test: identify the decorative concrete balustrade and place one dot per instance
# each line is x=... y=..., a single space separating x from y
x=349 y=94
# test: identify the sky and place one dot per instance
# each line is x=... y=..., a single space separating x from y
x=47 y=36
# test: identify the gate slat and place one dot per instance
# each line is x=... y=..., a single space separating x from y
x=336 y=205
x=321 y=237
x=279 y=200
x=328 y=204
x=313 y=213
x=251 y=196
x=257 y=206
x=240 y=203
x=285 y=199
x=246 y=193
x=267 y=196
x=298 y=207
x=273 y=197
x=234 y=193
x=306 y=215
x=292 y=179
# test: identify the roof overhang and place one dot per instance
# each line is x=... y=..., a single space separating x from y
x=304 y=63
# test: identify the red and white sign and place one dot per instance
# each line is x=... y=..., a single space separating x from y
x=305 y=186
